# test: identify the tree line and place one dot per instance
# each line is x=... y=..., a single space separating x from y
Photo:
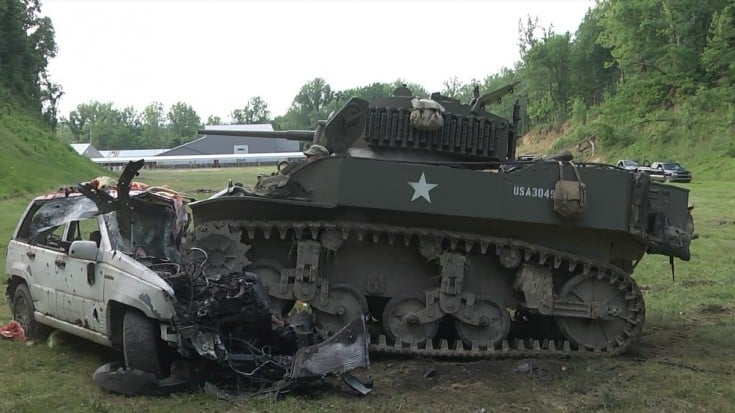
x=26 y=45
x=107 y=127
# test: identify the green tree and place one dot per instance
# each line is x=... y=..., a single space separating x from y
x=635 y=33
x=595 y=70
x=313 y=96
x=26 y=45
x=659 y=42
x=547 y=72
x=154 y=134
x=718 y=57
x=308 y=106
x=183 y=123
x=370 y=92
x=527 y=34
x=64 y=133
x=130 y=126
x=214 y=120
x=255 y=111
x=416 y=89
x=102 y=125
x=453 y=87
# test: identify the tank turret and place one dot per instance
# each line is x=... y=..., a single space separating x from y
x=404 y=126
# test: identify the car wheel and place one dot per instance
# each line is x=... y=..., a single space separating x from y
x=141 y=339
x=23 y=313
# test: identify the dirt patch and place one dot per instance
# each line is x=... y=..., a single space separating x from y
x=437 y=385
x=660 y=341
x=713 y=309
x=696 y=283
x=540 y=142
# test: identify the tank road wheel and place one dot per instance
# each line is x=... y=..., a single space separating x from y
x=401 y=323
x=614 y=329
x=494 y=323
x=269 y=273
x=344 y=306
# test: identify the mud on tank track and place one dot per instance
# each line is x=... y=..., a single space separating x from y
x=241 y=232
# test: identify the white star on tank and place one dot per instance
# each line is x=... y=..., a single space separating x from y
x=421 y=189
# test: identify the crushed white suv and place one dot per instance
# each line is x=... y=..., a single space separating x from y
x=104 y=261
x=82 y=270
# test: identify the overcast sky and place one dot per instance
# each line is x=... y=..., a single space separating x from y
x=217 y=54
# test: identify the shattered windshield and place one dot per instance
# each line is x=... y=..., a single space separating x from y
x=151 y=232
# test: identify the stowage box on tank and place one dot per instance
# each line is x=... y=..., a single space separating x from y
x=415 y=212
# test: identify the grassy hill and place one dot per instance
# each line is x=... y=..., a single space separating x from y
x=697 y=132
x=31 y=159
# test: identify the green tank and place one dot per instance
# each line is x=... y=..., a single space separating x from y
x=416 y=213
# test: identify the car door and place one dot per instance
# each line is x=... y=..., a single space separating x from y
x=82 y=284
x=45 y=259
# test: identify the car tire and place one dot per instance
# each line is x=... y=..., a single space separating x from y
x=23 y=310
x=141 y=343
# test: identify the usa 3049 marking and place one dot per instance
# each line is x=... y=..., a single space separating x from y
x=532 y=191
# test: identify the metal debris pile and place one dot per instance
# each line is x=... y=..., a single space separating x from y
x=229 y=337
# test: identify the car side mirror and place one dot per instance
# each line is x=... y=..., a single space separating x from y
x=84 y=250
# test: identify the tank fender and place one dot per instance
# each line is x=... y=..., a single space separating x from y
x=673 y=242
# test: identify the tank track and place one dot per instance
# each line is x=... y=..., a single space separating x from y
x=459 y=241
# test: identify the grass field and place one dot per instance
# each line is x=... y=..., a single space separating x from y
x=198 y=183
x=684 y=362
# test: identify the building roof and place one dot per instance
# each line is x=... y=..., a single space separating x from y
x=255 y=127
x=125 y=153
x=80 y=147
x=86 y=149
x=210 y=144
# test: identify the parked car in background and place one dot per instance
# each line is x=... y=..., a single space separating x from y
x=631 y=165
x=673 y=172
x=628 y=164
x=528 y=157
